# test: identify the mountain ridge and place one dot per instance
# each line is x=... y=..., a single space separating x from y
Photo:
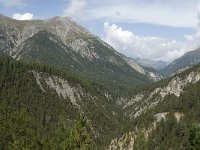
x=85 y=50
x=188 y=59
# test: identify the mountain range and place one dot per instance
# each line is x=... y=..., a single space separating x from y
x=61 y=87
x=62 y=43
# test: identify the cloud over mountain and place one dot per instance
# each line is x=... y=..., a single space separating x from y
x=26 y=16
x=132 y=45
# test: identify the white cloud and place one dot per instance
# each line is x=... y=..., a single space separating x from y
x=147 y=47
x=75 y=7
x=174 y=13
x=13 y=3
x=194 y=39
x=156 y=48
x=26 y=16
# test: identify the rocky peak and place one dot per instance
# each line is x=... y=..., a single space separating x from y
x=66 y=28
x=74 y=37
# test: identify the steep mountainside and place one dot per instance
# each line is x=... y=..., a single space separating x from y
x=150 y=73
x=188 y=59
x=61 y=42
x=52 y=99
x=165 y=115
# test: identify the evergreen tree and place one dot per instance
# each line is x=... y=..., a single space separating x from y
x=80 y=138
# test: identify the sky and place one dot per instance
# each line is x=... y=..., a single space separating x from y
x=148 y=29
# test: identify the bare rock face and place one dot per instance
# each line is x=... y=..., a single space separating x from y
x=5 y=44
x=65 y=28
x=142 y=102
x=126 y=142
x=60 y=86
x=160 y=116
x=83 y=48
x=135 y=66
x=154 y=76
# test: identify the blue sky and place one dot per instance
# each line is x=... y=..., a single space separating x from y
x=155 y=29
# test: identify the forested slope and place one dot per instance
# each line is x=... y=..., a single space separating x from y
x=40 y=104
x=165 y=114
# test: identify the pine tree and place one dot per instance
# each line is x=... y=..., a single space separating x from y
x=80 y=138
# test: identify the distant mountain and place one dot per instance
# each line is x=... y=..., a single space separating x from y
x=150 y=73
x=158 y=65
x=63 y=43
x=188 y=59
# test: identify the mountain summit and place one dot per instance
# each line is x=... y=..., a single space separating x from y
x=63 y=43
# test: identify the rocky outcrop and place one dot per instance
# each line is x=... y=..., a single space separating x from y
x=144 y=101
x=126 y=142
x=154 y=76
x=160 y=116
x=83 y=47
x=71 y=93
x=60 y=86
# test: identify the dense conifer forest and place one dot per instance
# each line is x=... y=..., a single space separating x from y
x=172 y=133
x=30 y=119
